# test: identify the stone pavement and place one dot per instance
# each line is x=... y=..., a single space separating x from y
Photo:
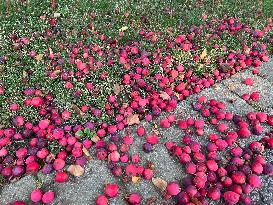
x=84 y=190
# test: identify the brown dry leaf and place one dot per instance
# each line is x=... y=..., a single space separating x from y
x=177 y=95
x=75 y=170
x=164 y=95
x=159 y=183
x=232 y=87
x=74 y=32
x=150 y=165
x=39 y=57
x=57 y=72
x=77 y=110
x=117 y=88
x=2 y=69
x=133 y=119
x=203 y=54
x=135 y=179
x=181 y=76
x=156 y=131
x=95 y=138
x=196 y=201
x=225 y=67
x=86 y=153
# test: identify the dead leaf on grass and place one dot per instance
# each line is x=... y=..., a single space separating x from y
x=117 y=88
x=123 y=28
x=164 y=95
x=133 y=119
x=39 y=57
x=156 y=131
x=77 y=110
x=203 y=54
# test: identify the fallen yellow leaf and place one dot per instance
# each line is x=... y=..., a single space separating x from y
x=135 y=179
x=39 y=57
x=203 y=54
x=123 y=28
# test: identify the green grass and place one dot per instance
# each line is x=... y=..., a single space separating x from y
x=109 y=18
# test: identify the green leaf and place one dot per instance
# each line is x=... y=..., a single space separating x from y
x=86 y=131
x=79 y=133
x=91 y=134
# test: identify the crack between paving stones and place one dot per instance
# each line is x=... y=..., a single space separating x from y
x=254 y=107
x=265 y=77
x=262 y=197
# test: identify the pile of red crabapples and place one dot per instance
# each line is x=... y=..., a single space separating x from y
x=210 y=176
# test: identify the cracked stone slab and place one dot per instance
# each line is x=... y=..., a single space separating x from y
x=263 y=86
x=234 y=104
x=84 y=190
x=77 y=191
x=266 y=70
x=220 y=92
x=184 y=110
x=147 y=191
x=263 y=195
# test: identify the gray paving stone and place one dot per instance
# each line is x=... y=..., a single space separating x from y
x=220 y=92
x=263 y=195
x=19 y=190
x=262 y=85
x=147 y=190
x=266 y=70
x=84 y=190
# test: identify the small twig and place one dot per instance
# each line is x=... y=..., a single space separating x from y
x=53 y=3
x=8 y=7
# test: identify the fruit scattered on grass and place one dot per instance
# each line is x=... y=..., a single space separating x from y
x=150 y=93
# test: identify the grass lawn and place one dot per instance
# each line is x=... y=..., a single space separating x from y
x=107 y=17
